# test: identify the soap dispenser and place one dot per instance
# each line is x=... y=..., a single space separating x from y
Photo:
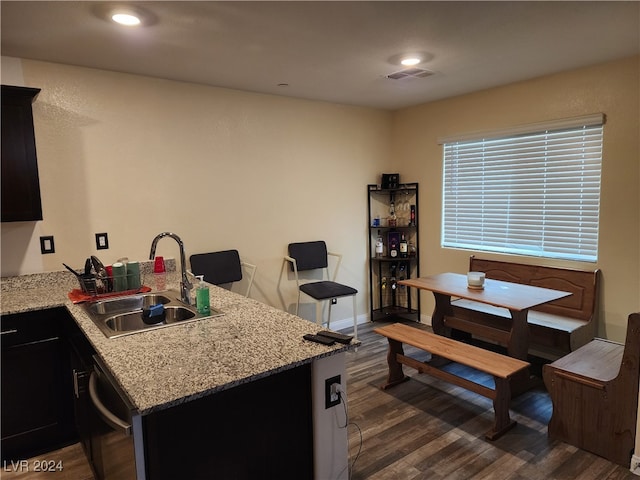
x=202 y=297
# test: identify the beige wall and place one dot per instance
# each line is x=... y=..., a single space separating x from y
x=134 y=156
x=611 y=88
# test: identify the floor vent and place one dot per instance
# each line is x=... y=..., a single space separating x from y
x=410 y=72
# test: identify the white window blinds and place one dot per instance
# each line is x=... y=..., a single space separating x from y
x=535 y=193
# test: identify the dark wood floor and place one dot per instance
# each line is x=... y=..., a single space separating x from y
x=426 y=429
x=71 y=459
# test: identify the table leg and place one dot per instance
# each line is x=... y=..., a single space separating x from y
x=396 y=375
x=519 y=342
x=519 y=348
x=442 y=308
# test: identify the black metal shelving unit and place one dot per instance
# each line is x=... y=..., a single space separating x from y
x=388 y=300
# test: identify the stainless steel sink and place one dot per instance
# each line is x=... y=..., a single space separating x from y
x=120 y=316
x=129 y=303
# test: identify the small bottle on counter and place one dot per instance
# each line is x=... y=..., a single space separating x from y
x=202 y=297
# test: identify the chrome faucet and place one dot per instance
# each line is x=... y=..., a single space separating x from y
x=185 y=284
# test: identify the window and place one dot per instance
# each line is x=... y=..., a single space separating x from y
x=530 y=190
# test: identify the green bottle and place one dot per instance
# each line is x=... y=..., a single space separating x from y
x=202 y=297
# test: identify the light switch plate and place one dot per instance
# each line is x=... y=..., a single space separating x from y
x=47 y=245
x=102 y=241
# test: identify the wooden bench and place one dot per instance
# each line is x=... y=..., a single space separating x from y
x=501 y=367
x=594 y=392
x=555 y=328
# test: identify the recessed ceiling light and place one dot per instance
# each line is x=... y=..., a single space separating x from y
x=410 y=58
x=124 y=14
x=127 y=19
x=410 y=61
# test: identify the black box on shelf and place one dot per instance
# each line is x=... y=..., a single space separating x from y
x=390 y=180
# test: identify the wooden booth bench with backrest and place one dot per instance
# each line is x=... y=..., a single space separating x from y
x=555 y=328
x=594 y=392
x=501 y=367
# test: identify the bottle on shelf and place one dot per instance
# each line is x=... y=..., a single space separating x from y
x=393 y=247
x=393 y=218
x=404 y=247
x=403 y=270
x=379 y=245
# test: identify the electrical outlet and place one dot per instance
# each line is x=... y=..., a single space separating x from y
x=47 y=245
x=331 y=396
x=102 y=241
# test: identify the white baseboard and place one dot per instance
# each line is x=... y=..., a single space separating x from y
x=347 y=323
x=635 y=465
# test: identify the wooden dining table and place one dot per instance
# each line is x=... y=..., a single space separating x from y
x=515 y=297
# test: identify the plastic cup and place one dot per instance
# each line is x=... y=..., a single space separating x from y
x=475 y=279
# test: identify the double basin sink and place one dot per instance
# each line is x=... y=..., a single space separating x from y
x=120 y=316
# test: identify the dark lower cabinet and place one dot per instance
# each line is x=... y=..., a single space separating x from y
x=36 y=382
x=261 y=429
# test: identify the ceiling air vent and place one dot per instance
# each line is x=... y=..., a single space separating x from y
x=410 y=72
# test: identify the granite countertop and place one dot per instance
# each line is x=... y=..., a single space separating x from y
x=162 y=368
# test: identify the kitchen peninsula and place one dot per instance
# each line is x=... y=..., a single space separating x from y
x=236 y=396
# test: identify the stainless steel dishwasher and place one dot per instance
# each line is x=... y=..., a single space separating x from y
x=112 y=448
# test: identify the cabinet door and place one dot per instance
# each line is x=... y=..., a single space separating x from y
x=36 y=388
x=247 y=432
x=20 y=182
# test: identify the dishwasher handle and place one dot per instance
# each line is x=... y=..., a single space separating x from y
x=114 y=421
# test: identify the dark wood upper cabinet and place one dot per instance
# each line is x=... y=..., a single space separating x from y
x=20 y=184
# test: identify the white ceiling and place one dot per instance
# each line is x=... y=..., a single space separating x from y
x=334 y=51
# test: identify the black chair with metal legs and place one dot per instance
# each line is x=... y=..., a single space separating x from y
x=306 y=256
x=222 y=268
